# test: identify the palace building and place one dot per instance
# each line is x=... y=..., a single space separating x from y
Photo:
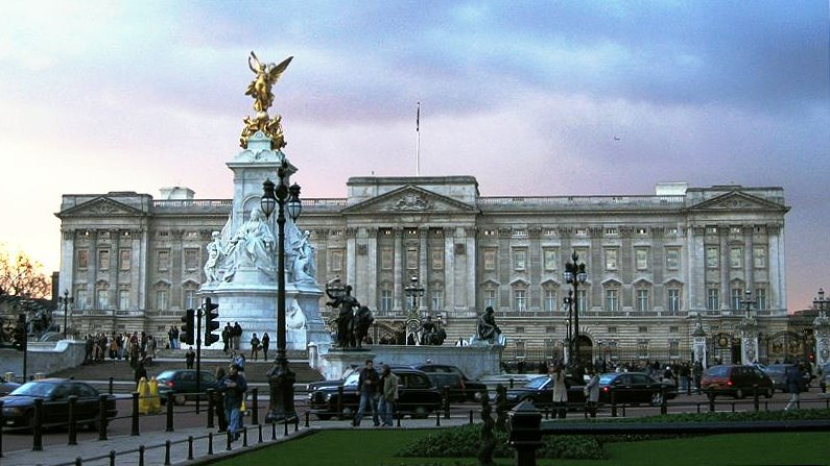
x=658 y=267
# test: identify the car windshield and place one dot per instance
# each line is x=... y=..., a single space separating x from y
x=537 y=383
x=39 y=389
x=606 y=379
x=351 y=380
x=165 y=375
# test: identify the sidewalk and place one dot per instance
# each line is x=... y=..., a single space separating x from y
x=95 y=452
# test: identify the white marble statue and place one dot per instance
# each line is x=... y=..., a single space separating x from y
x=252 y=246
x=303 y=269
x=215 y=254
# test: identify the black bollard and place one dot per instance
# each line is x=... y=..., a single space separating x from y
x=228 y=437
x=79 y=461
x=525 y=433
x=471 y=417
x=755 y=397
x=2 y=423
x=307 y=415
x=285 y=425
x=259 y=428
x=141 y=455
x=135 y=430
x=167 y=453
x=210 y=443
x=273 y=431
x=664 y=409
x=245 y=436
x=169 y=412
x=37 y=434
x=73 y=421
x=112 y=457
x=613 y=403
x=446 y=402
x=437 y=419
x=110 y=385
x=190 y=447
x=102 y=416
x=255 y=407
x=711 y=403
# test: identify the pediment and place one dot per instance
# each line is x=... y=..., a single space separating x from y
x=410 y=200
x=737 y=201
x=102 y=207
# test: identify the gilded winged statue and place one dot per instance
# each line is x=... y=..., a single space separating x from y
x=266 y=76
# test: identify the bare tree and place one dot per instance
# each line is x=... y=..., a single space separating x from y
x=21 y=276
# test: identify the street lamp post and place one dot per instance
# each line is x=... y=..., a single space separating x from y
x=281 y=379
x=569 y=302
x=575 y=275
x=414 y=291
x=65 y=300
x=748 y=302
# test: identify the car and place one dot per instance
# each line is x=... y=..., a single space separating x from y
x=778 y=374
x=417 y=396
x=634 y=387
x=471 y=390
x=7 y=387
x=182 y=383
x=736 y=381
x=539 y=390
x=19 y=405
x=452 y=384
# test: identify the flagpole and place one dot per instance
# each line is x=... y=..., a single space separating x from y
x=418 y=140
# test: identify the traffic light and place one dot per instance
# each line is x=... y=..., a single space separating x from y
x=211 y=313
x=187 y=333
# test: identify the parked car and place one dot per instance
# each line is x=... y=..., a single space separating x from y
x=778 y=374
x=634 y=387
x=19 y=405
x=7 y=387
x=736 y=381
x=182 y=383
x=539 y=390
x=417 y=396
x=470 y=389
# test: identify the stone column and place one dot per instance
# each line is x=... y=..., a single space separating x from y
x=398 y=267
x=748 y=329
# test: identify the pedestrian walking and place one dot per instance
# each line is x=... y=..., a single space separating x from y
x=233 y=387
x=254 y=347
x=367 y=387
x=592 y=394
x=190 y=357
x=388 y=395
x=560 y=391
x=266 y=342
x=795 y=381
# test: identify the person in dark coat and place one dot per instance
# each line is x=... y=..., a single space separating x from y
x=266 y=342
x=795 y=381
x=190 y=357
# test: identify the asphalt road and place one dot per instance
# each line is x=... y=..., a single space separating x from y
x=186 y=416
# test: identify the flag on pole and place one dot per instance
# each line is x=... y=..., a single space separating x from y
x=418 y=118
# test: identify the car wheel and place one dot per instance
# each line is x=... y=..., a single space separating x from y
x=657 y=399
x=739 y=394
x=768 y=393
x=179 y=400
x=347 y=413
x=420 y=412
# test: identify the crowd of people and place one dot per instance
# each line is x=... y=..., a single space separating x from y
x=119 y=346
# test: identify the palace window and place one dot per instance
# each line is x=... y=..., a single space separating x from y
x=490 y=298
x=490 y=259
x=673 y=300
x=641 y=257
x=712 y=257
x=551 y=258
x=124 y=259
x=190 y=299
x=163 y=260
x=437 y=300
x=759 y=257
x=642 y=300
x=412 y=258
x=612 y=301
x=712 y=299
x=550 y=302
x=123 y=299
x=191 y=259
x=80 y=302
x=674 y=349
x=162 y=300
x=336 y=260
x=102 y=297
x=103 y=259
x=581 y=301
x=386 y=257
x=672 y=259
x=437 y=258
x=761 y=298
x=520 y=300
x=611 y=259
x=83 y=259
x=737 y=297
x=519 y=258
x=736 y=257
x=386 y=300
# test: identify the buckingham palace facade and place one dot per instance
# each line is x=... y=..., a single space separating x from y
x=658 y=266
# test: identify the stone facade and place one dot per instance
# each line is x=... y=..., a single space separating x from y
x=655 y=263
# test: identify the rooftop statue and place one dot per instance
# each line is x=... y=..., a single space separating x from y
x=260 y=89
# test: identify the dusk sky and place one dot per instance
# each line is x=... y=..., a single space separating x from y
x=540 y=98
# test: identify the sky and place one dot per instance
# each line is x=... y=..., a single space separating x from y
x=543 y=98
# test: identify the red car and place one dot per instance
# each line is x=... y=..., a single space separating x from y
x=736 y=381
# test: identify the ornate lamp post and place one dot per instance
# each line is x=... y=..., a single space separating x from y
x=65 y=300
x=748 y=302
x=575 y=275
x=821 y=330
x=281 y=378
x=821 y=303
x=569 y=303
x=414 y=291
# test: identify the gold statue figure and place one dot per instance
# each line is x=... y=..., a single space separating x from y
x=266 y=76
x=260 y=89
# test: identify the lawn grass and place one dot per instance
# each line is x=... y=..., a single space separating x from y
x=377 y=447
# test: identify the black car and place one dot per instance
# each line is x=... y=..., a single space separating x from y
x=470 y=389
x=416 y=396
x=539 y=390
x=634 y=387
x=19 y=405
x=7 y=387
x=182 y=383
